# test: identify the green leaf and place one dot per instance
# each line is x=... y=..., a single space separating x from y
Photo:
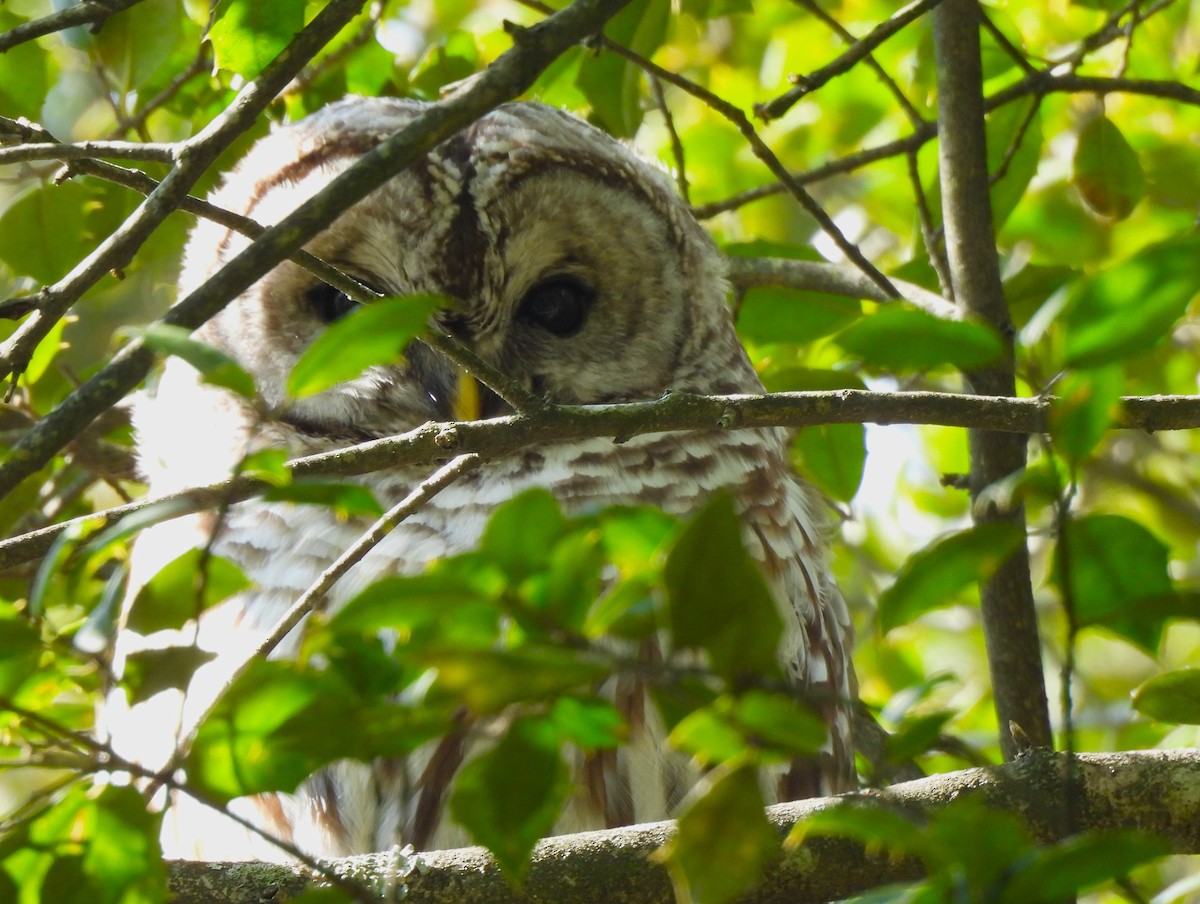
x=757 y=720
x=450 y=598
x=933 y=577
x=916 y=736
x=43 y=234
x=1057 y=873
x=1003 y=125
x=1108 y=566
x=449 y=61
x=1128 y=308
x=521 y=535
x=267 y=465
x=122 y=46
x=610 y=82
x=589 y=724
x=489 y=680
x=216 y=367
x=347 y=500
x=872 y=824
x=724 y=840
x=123 y=851
x=20 y=650
x=184 y=588
x=717 y=599
x=248 y=34
x=1086 y=405
x=510 y=796
x=1106 y=170
x=1171 y=697
x=833 y=456
x=24 y=76
x=769 y=314
x=272 y=729
x=898 y=338
x=371 y=335
x=148 y=672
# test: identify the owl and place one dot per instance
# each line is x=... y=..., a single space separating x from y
x=578 y=274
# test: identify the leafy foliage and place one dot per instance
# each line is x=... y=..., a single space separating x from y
x=1094 y=192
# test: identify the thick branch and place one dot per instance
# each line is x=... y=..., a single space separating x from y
x=505 y=79
x=677 y=411
x=1150 y=791
x=1009 y=619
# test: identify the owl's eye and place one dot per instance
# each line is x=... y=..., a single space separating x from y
x=559 y=305
x=328 y=303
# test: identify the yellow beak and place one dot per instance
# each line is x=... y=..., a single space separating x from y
x=468 y=402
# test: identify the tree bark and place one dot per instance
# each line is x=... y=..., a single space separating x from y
x=1150 y=791
x=1009 y=620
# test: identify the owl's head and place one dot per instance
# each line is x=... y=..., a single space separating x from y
x=574 y=268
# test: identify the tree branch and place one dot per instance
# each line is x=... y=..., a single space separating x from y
x=493 y=438
x=86 y=12
x=1009 y=619
x=534 y=48
x=1150 y=791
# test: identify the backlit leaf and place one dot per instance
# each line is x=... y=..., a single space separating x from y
x=248 y=34
x=1106 y=170
x=183 y=589
x=1171 y=697
x=899 y=338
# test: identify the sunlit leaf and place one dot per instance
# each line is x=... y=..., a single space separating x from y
x=248 y=34
x=20 y=650
x=1130 y=307
x=1086 y=405
x=724 y=840
x=370 y=335
x=900 y=338
x=347 y=500
x=510 y=796
x=1171 y=697
x=23 y=74
x=487 y=680
x=933 y=577
x=216 y=367
x=521 y=534
x=183 y=589
x=610 y=82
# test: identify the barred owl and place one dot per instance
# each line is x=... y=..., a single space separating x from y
x=578 y=274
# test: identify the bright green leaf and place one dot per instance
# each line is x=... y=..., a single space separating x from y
x=1106 y=170
x=898 y=338
x=20 y=650
x=23 y=74
x=1128 y=308
x=248 y=34
x=347 y=500
x=510 y=796
x=933 y=577
x=521 y=534
x=769 y=314
x=216 y=367
x=371 y=335
x=724 y=840
x=183 y=589
x=610 y=82
x=1060 y=872
x=1171 y=697
x=1086 y=405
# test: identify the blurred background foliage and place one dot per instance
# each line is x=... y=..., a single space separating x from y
x=1095 y=194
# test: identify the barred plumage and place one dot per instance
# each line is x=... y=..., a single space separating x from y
x=526 y=196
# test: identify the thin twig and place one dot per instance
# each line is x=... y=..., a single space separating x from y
x=759 y=147
x=85 y=12
x=806 y=84
x=677 y=152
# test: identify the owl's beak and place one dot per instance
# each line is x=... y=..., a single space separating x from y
x=468 y=401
